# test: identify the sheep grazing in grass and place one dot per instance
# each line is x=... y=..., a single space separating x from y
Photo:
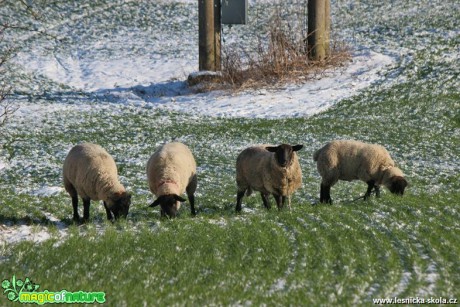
x=350 y=160
x=90 y=172
x=171 y=171
x=270 y=170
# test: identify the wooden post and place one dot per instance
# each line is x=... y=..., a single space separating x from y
x=319 y=24
x=209 y=34
x=217 y=35
x=327 y=25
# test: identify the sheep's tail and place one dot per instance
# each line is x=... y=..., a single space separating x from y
x=249 y=191
x=316 y=154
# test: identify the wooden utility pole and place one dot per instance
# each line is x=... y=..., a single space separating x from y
x=217 y=34
x=209 y=34
x=319 y=28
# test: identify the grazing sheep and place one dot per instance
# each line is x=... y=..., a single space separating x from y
x=171 y=171
x=90 y=172
x=270 y=170
x=351 y=160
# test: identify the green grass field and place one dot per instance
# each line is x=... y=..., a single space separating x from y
x=343 y=254
x=347 y=253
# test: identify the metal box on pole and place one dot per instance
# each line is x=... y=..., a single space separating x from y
x=234 y=12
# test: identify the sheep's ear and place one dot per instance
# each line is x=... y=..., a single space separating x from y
x=155 y=203
x=297 y=147
x=271 y=148
x=129 y=195
x=178 y=198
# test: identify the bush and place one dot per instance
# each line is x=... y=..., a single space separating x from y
x=282 y=55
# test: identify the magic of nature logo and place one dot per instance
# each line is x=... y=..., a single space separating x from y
x=26 y=291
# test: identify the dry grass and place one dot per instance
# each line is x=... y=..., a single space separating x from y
x=283 y=59
x=280 y=57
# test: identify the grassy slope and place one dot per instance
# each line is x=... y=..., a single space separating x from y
x=347 y=253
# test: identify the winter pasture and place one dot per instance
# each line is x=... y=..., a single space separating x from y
x=113 y=72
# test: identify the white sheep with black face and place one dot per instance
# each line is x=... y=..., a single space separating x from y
x=268 y=169
x=351 y=160
x=90 y=172
x=171 y=171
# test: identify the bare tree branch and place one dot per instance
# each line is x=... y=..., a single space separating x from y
x=9 y=49
x=7 y=108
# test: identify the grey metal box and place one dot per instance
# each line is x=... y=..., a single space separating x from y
x=234 y=11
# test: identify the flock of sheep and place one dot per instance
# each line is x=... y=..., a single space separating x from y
x=90 y=172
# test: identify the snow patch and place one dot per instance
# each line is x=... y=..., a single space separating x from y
x=280 y=284
x=35 y=233
x=92 y=75
x=47 y=191
x=2 y=164
x=219 y=222
x=403 y=283
x=23 y=233
x=160 y=83
x=293 y=100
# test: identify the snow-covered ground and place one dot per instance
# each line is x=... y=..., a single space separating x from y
x=148 y=66
x=140 y=81
x=35 y=233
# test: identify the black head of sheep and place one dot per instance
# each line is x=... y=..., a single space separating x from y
x=397 y=185
x=283 y=153
x=169 y=204
x=120 y=205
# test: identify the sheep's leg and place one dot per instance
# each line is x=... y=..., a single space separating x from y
x=279 y=201
x=109 y=214
x=191 y=199
x=190 y=189
x=239 y=197
x=73 y=194
x=325 y=194
x=370 y=187
x=76 y=217
x=86 y=202
x=377 y=191
x=265 y=200
x=289 y=202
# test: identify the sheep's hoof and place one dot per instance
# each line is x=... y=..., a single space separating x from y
x=77 y=221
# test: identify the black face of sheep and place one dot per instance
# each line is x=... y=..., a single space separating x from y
x=398 y=184
x=168 y=204
x=120 y=207
x=283 y=153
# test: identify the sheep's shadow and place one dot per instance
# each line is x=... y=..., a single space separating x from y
x=10 y=221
